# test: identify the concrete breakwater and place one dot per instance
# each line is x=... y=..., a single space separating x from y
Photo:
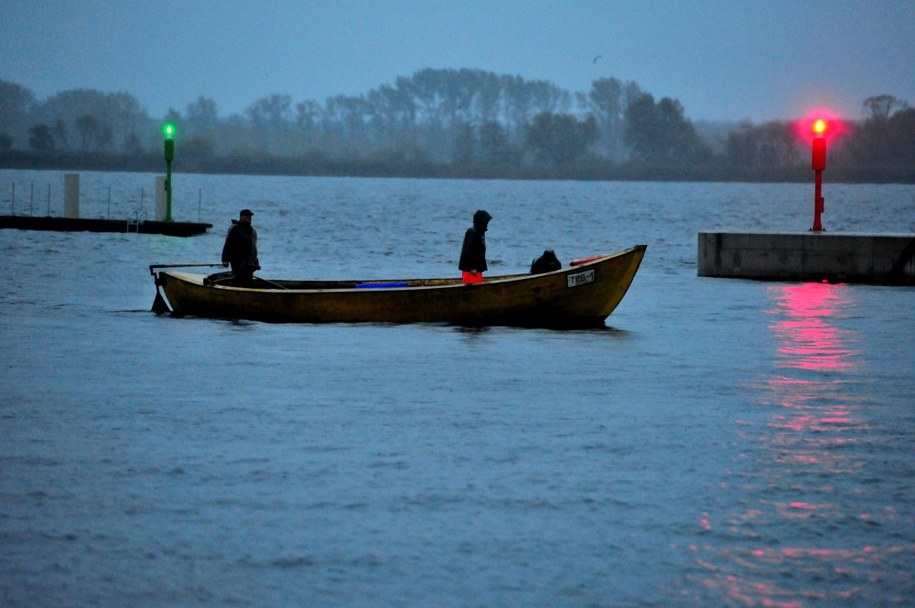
x=808 y=256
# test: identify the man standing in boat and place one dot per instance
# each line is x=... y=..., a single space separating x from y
x=473 y=253
x=240 y=249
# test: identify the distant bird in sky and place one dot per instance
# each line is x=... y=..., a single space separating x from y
x=596 y=57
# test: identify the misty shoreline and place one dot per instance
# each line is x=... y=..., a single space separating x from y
x=318 y=165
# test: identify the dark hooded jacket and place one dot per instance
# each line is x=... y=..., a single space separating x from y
x=473 y=252
x=240 y=248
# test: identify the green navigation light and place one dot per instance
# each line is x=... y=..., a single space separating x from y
x=169 y=131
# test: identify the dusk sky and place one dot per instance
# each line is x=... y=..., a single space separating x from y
x=722 y=59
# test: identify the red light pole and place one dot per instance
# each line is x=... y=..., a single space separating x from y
x=818 y=165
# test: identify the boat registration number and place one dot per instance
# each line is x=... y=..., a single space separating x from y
x=580 y=278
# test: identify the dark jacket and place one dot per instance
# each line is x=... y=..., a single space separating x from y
x=240 y=248
x=473 y=252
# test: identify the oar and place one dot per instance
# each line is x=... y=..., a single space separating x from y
x=159 y=306
x=258 y=279
x=271 y=283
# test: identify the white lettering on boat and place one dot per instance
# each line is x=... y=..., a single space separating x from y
x=580 y=278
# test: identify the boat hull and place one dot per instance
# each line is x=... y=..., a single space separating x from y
x=577 y=296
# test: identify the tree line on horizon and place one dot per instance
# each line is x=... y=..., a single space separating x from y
x=447 y=122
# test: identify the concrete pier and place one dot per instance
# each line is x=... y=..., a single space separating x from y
x=808 y=256
x=72 y=222
x=75 y=224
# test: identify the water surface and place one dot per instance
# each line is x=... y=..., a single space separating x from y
x=720 y=443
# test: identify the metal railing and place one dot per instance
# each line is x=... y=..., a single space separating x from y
x=135 y=219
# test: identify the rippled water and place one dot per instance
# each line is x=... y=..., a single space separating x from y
x=721 y=443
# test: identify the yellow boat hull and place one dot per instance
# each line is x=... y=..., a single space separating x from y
x=577 y=296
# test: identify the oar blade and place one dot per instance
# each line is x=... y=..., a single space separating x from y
x=159 y=306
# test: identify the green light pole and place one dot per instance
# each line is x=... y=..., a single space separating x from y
x=169 y=131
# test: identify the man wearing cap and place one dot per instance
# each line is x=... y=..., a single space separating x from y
x=240 y=249
x=473 y=252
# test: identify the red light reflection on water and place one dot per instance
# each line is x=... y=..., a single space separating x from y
x=847 y=575
x=808 y=340
x=798 y=480
x=818 y=408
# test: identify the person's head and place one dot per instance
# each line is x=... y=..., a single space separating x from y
x=245 y=216
x=481 y=219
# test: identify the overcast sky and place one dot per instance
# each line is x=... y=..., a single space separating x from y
x=722 y=59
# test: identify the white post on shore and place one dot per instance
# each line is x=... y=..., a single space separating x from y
x=161 y=206
x=71 y=195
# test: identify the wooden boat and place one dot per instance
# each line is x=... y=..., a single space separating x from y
x=581 y=295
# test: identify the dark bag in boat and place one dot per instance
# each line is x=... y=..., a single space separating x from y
x=545 y=263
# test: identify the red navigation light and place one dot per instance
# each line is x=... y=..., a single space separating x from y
x=818 y=164
x=819 y=154
x=819 y=145
x=821 y=122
